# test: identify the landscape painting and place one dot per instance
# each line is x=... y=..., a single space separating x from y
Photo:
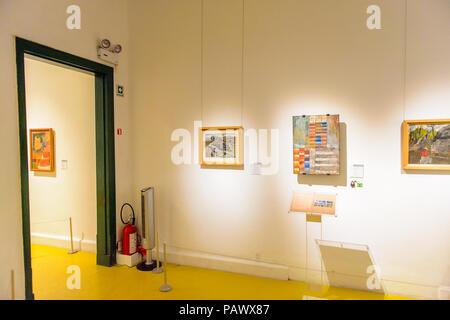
x=41 y=150
x=426 y=144
x=221 y=146
x=316 y=145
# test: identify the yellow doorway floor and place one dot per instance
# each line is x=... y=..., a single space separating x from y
x=121 y=282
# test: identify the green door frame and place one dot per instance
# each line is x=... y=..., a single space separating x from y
x=104 y=136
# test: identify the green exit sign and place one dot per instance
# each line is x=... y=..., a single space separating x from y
x=120 y=90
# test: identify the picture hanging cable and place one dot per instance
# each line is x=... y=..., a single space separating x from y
x=242 y=62
x=404 y=58
x=201 y=58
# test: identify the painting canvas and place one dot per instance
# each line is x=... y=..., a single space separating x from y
x=426 y=144
x=316 y=144
x=41 y=150
x=221 y=146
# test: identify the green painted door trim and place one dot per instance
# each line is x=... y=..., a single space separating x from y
x=105 y=155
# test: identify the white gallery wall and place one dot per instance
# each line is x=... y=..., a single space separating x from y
x=298 y=57
x=44 y=21
x=63 y=99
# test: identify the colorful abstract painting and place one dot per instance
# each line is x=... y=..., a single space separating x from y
x=41 y=150
x=428 y=144
x=316 y=144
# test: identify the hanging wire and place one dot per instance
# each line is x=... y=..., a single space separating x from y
x=201 y=59
x=404 y=58
x=242 y=62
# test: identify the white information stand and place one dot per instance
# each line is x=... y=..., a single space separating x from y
x=314 y=206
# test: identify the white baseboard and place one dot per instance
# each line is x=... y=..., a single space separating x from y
x=411 y=290
x=63 y=242
x=235 y=265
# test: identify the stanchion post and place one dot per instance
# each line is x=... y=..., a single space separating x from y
x=157 y=269
x=72 y=250
x=13 y=294
x=165 y=287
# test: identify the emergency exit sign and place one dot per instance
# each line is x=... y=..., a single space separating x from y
x=120 y=90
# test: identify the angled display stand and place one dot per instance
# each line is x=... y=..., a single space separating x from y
x=352 y=265
x=314 y=206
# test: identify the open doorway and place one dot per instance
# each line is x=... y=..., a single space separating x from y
x=62 y=182
x=51 y=84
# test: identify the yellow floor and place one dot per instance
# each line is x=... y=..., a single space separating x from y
x=121 y=282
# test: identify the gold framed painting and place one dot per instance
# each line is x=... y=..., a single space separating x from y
x=426 y=144
x=221 y=146
x=41 y=150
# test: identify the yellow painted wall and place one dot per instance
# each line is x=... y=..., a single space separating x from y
x=63 y=99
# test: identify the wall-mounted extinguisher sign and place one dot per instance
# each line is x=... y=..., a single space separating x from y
x=129 y=232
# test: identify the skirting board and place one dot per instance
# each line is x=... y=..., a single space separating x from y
x=412 y=290
x=280 y=272
x=235 y=265
x=63 y=242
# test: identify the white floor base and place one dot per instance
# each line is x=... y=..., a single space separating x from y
x=127 y=260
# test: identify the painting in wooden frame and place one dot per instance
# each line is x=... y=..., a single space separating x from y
x=426 y=144
x=41 y=150
x=221 y=146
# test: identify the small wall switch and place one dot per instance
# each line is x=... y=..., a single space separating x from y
x=64 y=164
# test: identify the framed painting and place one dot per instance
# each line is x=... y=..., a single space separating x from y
x=221 y=146
x=316 y=145
x=41 y=150
x=426 y=144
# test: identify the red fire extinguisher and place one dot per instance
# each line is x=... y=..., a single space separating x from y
x=129 y=233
